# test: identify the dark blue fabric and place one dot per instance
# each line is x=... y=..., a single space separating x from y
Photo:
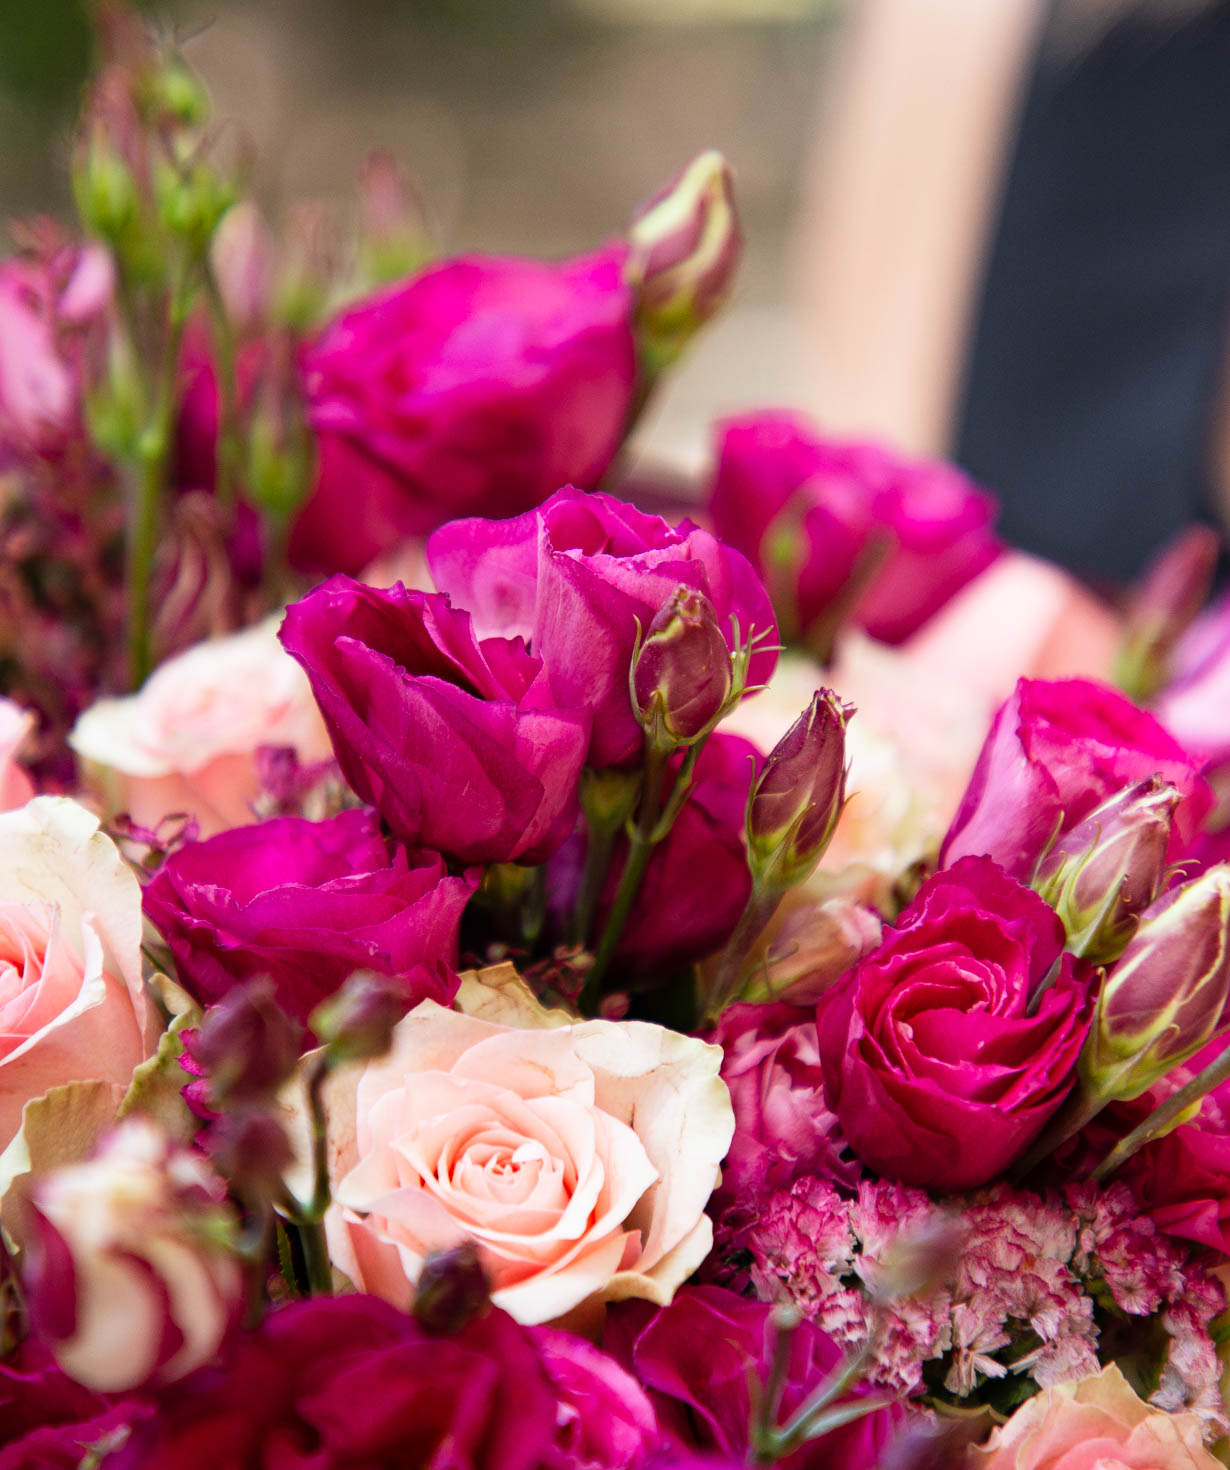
x=1102 y=330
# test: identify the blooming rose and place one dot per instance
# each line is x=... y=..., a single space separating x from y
x=577 y=577
x=47 y=1419
x=129 y=1279
x=603 y=1419
x=460 y=745
x=579 y=1158
x=1091 y=1423
x=1056 y=750
x=478 y=386
x=72 y=1002
x=699 y=1356
x=812 y=513
x=307 y=903
x=16 y=723
x=344 y=1382
x=186 y=741
x=937 y=1069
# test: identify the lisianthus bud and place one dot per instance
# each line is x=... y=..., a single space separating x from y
x=130 y=1275
x=681 y=674
x=1167 y=994
x=684 y=245
x=247 y=1044
x=798 y=798
x=1102 y=875
x=452 y=1288
x=357 y=1023
x=1172 y=592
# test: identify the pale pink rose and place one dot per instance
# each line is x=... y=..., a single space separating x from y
x=1095 y=1424
x=187 y=740
x=129 y=1277
x=578 y=1157
x=16 y=723
x=73 y=1005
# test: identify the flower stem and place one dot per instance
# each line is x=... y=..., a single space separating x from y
x=725 y=985
x=228 y=390
x=316 y=1257
x=1167 y=1116
x=599 y=850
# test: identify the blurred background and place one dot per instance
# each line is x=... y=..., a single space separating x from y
x=992 y=229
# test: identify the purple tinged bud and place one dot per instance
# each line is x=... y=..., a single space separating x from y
x=452 y=1288
x=684 y=246
x=794 y=805
x=249 y=1148
x=1167 y=994
x=1102 y=875
x=247 y=1045
x=681 y=675
x=1173 y=590
x=357 y=1023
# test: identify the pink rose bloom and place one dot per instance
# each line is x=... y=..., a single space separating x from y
x=812 y=514
x=1094 y=1423
x=477 y=387
x=187 y=740
x=579 y=1158
x=1056 y=750
x=73 y=1006
x=16 y=723
x=940 y=1069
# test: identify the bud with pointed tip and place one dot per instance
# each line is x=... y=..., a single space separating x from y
x=684 y=246
x=1102 y=875
x=394 y=238
x=682 y=677
x=1173 y=590
x=1167 y=994
x=794 y=805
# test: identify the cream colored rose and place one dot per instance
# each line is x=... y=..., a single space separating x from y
x=128 y=1270
x=578 y=1157
x=186 y=741
x=1095 y=1424
x=72 y=1003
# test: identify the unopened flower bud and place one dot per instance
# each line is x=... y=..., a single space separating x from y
x=808 y=948
x=681 y=674
x=357 y=1023
x=1173 y=590
x=242 y=256
x=247 y=1045
x=1102 y=875
x=192 y=201
x=1167 y=994
x=452 y=1288
x=798 y=797
x=130 y=1272
x=684 y=246
x=249 y=1148
x=395 y=240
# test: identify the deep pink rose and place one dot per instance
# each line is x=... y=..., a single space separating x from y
x=604 y=1421
x=44 y=1413
x=308 y=903
x=782 y=1127
x=811 y=512
x=1057 y=749
x=697 y=1358
x=460 y=745
x=938 y=1074
x=697 y=882
x=576 y=577
x=477 y=387
x=350 y=1383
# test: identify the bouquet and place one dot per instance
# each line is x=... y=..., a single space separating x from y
x=503 y=970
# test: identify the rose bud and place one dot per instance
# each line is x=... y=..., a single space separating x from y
x=681 y=675
x=1170 y=595
x=129 y=1278
x=1102 y=875
x=452 y=1287
x=247 y=1044
x=797 y=800
x=357 y=1023
x=249 y=1147
x=684 y=246
x=1167 y=994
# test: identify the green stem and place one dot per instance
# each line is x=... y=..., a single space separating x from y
x=316 y=1257
x=321 y=1193
x=759 y=909
x=599 y=850
x=228 y=391
x=1081 y=1108
x=1166 y=1116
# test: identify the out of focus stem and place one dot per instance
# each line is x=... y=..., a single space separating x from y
x=228 y=390
x=727 y=977
x=1167 y=1115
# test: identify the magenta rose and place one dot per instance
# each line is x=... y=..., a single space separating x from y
x=1057 y=749
x=813 y=513
x=308 y=904
x=46 y=1419
x=941 y=1064
x=460 y=745
x=604 y=1421
x=782 y=1127
x=698 y=1357
x=350 y=1383
x=474 y=388
x=576 y=577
